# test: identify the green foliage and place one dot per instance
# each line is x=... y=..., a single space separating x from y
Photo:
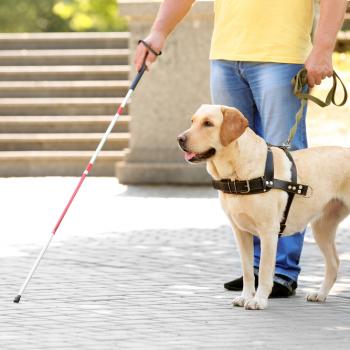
x=30 y=16
x=84 y=15
x=59 y=16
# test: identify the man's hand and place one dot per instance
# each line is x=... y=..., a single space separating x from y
x=319 y=63
x=170 y=13
x=319 y=66
x=156 y=41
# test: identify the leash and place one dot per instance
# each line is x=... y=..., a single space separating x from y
x=299 y=82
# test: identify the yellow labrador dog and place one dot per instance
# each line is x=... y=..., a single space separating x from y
x=220 y=136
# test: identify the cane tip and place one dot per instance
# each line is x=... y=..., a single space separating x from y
x=17 y=299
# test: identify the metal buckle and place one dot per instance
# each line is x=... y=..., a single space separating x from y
x=287 y=144
x=229 y=186
x=248 y=187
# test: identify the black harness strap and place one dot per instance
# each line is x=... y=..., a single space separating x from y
x=283 y=184
x=244 y=187
x=266 y=183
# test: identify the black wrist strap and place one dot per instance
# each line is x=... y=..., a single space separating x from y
x=149 y=48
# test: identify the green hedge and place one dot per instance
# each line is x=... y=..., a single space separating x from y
x=59 y=16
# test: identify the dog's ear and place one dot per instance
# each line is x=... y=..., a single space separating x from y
x=233 y=125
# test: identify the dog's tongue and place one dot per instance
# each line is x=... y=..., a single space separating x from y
x=189 y=155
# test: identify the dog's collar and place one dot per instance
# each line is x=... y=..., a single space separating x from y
x=266 y=183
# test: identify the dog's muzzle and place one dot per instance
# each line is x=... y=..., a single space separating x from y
x=194 y=157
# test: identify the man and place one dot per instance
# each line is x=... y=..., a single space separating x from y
x=257 y=47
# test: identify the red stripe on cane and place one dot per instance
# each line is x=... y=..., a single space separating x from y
x=69 y=203
x=120 y=110
x=89 y=167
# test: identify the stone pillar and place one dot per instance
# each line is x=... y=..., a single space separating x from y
x=167 y=96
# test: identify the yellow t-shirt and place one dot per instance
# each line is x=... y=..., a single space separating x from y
x=262 y=30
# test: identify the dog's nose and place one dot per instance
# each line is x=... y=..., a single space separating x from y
x=181 y=139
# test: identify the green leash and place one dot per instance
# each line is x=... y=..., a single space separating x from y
x=299 y=82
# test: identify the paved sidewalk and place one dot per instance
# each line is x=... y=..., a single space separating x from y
x=143 y=268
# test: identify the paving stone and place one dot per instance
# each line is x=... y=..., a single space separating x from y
x=126 y=272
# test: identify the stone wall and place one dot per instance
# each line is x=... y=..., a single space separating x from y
x=167 y=96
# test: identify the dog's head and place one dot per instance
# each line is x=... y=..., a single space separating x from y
x=213 y=128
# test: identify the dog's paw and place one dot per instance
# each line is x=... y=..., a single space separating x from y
x=239 y=301
x=316 y=297
x=256 y=304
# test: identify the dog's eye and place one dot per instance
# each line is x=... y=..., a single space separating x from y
x=208 y=124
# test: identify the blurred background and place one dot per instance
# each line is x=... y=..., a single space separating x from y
x=65 y=65
x=60 y=16
x=133 y=266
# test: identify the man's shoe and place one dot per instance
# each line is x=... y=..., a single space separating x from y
x=237 y=284
x=283 y=287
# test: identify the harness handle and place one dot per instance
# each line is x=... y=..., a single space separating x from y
x=299 y=82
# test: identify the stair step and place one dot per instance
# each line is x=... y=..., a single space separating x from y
x=60 y=106
x=45 y=73
x=61 y=124
x=343 y=42
x=58 y=94
x=64 y=57
x=60 y=141
x=57 y=163
x=83 y=88
x=97 y=40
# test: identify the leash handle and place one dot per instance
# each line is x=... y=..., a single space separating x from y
x=299 y=83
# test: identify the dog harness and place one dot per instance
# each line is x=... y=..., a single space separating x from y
x=266 y=183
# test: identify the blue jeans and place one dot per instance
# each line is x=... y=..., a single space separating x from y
x=263 y=93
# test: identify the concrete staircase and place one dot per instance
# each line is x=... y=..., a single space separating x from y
x=58 y=93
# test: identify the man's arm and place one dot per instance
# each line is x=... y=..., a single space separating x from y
x=319 y=63
x=170 y=13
